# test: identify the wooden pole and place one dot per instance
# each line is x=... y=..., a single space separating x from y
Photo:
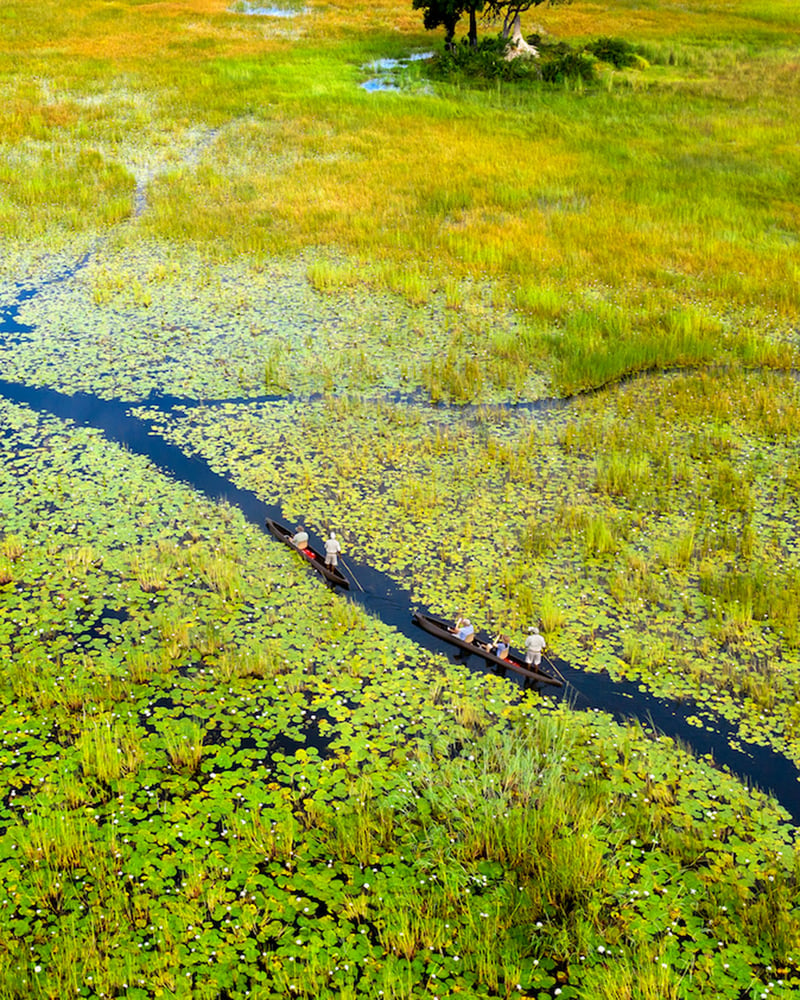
x=352 y=574
x=554 y=667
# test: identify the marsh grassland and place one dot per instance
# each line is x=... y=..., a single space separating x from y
x=532 y=350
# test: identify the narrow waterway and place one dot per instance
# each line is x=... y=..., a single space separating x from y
x=390 y=602
x=12 y=332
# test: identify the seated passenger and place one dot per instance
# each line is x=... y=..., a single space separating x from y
x=501 y=647
x=465 y=629
x=300 y=537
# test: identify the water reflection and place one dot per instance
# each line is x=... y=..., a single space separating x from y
x=391 y=71
x=256 y=11
x=379 y=84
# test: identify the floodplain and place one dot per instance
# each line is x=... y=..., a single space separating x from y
x=531 y=349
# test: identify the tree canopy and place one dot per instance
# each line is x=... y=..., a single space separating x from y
x=447 y=14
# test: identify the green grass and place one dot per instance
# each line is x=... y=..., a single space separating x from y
x=670 y=194
x=202 y=748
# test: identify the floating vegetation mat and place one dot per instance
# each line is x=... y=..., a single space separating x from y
x=151 y=318
x=220 y=777
x=651 y=529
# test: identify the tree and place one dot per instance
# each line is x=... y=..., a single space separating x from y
x=447 y=14
x=511 y=11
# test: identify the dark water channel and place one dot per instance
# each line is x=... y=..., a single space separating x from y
x=13 y=332
x=390 y=602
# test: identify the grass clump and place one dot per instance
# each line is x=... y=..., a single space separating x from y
x=326 y=276
x=569 y=67
x=557 y=63
x=184 y=746
x=109 y=751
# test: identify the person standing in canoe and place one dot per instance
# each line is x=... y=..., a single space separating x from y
x=534 y=647
x=332 y=550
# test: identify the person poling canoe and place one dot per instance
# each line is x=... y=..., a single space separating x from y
x=332 y=551
x=534 y=647
x=462 y=634
x=313 y=556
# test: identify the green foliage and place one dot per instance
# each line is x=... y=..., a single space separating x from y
x=482 y=62
x=568 y=67
x=558 y=62
x=617 y=51
x=444 y=13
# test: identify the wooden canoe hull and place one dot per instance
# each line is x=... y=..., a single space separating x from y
x=516 y=661
x=316 y=561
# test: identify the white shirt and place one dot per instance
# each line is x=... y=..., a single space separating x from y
x=535 y=643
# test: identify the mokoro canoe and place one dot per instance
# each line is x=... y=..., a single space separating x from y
x=516 y=661
x=312 y=556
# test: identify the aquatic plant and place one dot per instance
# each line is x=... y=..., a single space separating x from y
x=197 y=799
x=184 y=745
x=108 y=751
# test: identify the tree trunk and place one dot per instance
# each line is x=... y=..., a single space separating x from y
x=517 y=45
x=509 y=22
x=473 y=28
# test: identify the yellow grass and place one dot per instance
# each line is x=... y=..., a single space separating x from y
x=666 y=188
